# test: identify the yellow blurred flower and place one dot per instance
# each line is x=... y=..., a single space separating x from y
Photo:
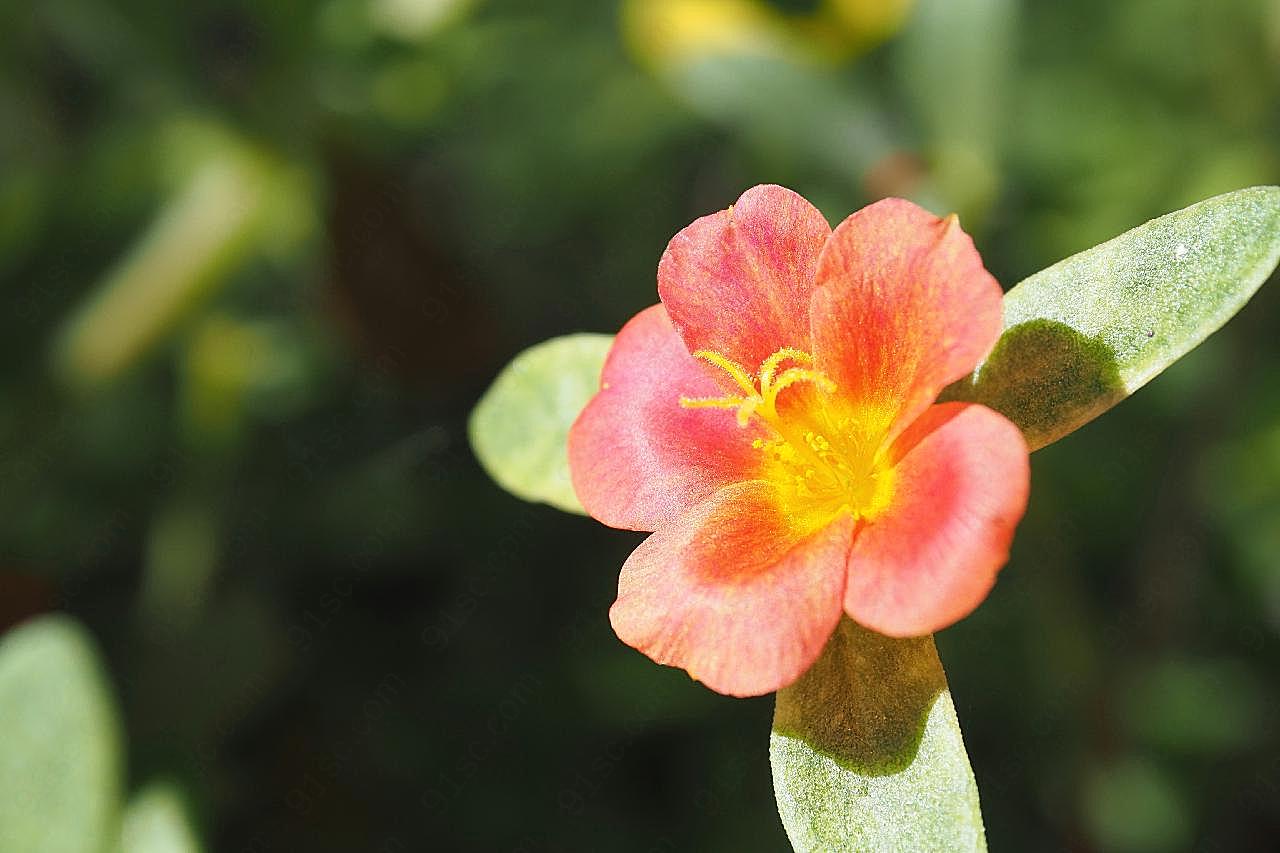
x=868 y=22
x=664 y=34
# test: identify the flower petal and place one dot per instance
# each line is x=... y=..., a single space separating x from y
x=739 y=281
x=903 y=307
x=636 y=457
x=734 y=593
x=960 y=487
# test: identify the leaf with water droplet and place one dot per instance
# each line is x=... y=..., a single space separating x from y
x=1090 y=330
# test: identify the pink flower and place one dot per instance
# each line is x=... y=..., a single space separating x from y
x=773 y=422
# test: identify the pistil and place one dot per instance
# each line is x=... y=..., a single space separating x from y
x=815 y=472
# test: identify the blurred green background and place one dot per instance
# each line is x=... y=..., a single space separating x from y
x=260 y=259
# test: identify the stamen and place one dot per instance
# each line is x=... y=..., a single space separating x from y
x=824 y=457
x=799 y=374
x=710 y=402
x=759 y=399
x=773 y=362
x=731 y=367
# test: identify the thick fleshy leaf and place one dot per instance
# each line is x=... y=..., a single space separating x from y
x=867 y=752
x=157 y=821
x=1090 y=330
x=60 y=766
x=738 y=282
x=960 y=488
x=733 y=592
x=903 y=307
x=519 y=428
x=637 y=457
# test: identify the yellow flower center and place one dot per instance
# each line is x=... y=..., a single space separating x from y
x=826 y=455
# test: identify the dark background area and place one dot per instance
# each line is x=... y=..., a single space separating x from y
x=259 y=261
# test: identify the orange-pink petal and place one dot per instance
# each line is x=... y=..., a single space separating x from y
x=637 y=458
x=734 y=593
x=903 y=307
x=961 y=481
x=739 y=281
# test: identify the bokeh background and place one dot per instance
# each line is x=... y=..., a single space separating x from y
x=259 y=261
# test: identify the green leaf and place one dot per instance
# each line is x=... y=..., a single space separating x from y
x=1088 y=331
x=867 y=752
x=520 y=428
x=60 y=767
x=157 y=822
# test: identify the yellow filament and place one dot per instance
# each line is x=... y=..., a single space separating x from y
x=799 y=374
x=759 y=398
x=731 y=367
x=773 y=362
x=817 y=476
x=710 y=402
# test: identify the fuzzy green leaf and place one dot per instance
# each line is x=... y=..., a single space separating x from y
x=520 y=428
x=867 y=752
x=60 y=768
x=1090 y=330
